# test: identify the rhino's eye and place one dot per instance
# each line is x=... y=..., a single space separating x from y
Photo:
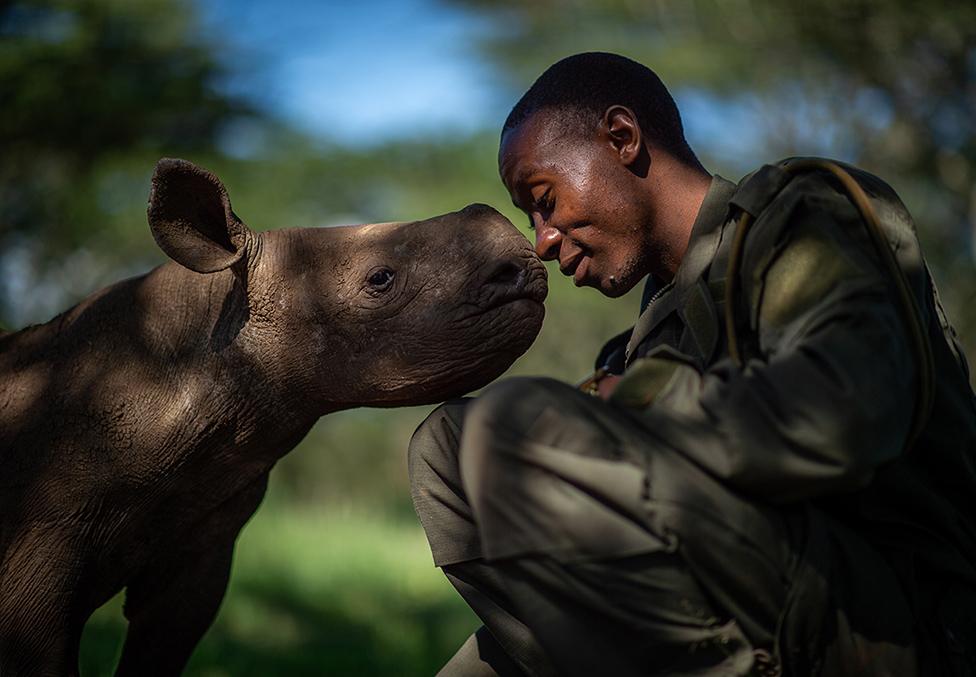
x=380 y=279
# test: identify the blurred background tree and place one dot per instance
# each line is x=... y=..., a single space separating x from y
x=86 y=86
x=333 y=575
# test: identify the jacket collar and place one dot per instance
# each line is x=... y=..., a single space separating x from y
x=659 y=301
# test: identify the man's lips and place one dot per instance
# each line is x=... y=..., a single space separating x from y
x=575 y=267
x=581 y=269
x=568 y=267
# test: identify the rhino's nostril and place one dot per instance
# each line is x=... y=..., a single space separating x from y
x=507 y=274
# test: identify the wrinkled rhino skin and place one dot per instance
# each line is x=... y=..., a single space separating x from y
x=137 y=429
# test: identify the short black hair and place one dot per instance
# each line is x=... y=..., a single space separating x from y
x=582 y=87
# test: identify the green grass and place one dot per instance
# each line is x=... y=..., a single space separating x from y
x=318 y=592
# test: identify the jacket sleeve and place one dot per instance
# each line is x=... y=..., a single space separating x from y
x=832 y=395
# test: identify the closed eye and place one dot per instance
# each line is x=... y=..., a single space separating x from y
x=546 y=202
x=544 y=207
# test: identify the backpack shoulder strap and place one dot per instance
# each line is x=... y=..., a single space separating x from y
x=756 y=192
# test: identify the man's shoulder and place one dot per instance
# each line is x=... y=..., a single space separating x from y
x=827 y=222
x=820 y=190
x=817 y=180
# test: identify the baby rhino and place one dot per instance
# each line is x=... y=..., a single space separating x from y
x=137 y=429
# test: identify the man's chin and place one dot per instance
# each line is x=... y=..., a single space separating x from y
x=611 y=286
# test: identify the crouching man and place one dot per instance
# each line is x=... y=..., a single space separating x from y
x=783 y=480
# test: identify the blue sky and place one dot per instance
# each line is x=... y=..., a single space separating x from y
x=367 y=71
x=362 y=71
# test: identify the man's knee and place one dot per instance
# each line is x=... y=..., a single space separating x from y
x=516 y=414
x=501 y=429
x=510 y=407
x=543 y=474
x=432 y=452
x=435 y=486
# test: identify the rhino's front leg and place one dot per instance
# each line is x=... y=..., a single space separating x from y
x=169 y=607
x=171 y=604
x=40 y=615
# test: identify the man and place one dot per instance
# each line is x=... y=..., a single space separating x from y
x=795 y=496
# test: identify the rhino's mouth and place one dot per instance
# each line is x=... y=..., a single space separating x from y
x=511 y=282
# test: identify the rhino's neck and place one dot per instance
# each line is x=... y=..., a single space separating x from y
x=248 y=361
x=197 y=335
x=292 y=332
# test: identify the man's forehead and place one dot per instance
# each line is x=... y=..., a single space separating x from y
x=527 y=145
x=542 y=127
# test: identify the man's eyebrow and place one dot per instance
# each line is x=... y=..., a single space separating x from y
x=521 y=171
x=519 y=181
x=522 y=175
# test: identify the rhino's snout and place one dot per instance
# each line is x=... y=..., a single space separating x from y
x=508 y=274
x=521 y=276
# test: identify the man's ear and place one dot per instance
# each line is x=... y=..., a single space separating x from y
x=624 y=133
x=191 y=219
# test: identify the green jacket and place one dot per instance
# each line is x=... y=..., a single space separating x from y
x=823 y=405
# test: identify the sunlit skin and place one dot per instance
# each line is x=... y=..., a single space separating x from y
x=604 y=203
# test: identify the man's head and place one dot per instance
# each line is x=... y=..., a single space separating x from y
x=582 y=153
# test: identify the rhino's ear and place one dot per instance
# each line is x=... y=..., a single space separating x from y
x=191 y=218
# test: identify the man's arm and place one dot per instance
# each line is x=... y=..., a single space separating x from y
x=833 y=396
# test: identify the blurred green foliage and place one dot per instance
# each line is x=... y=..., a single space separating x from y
x=318 y=592
x=333 y=574
x=84 y=83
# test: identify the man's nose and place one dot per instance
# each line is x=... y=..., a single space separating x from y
x=547 y=241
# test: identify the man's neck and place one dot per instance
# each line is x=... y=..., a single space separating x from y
x=679 y=190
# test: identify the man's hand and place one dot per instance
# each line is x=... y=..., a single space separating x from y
x=599 y=384
x=606 y=385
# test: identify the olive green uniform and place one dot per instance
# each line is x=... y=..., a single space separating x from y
x=722 y=519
